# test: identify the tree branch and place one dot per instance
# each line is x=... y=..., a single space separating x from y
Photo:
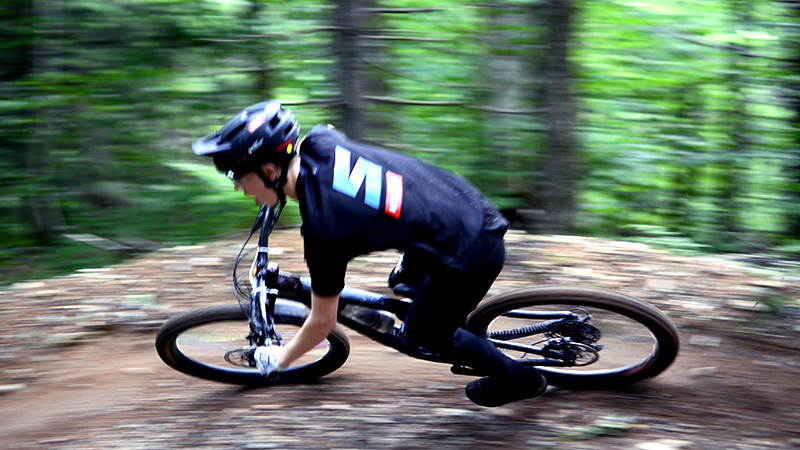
x=382 y=68
x=330 y=102
x=737 y=49
x=399 y=101
x=270 y=35
x=401 y=38
x=400 y=147
x=401 y=10
x=295 y=32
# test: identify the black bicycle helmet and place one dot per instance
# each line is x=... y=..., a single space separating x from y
x=261 y=133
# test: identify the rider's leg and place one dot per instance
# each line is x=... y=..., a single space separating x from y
x=445 y=299
x=411 y=268
x=437 y=315
x=446 y=296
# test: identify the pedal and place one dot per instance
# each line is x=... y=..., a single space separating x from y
x=249 y=353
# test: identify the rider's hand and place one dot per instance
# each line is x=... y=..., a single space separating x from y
x=268 y=359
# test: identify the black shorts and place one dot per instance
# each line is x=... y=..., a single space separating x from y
x=446 y=295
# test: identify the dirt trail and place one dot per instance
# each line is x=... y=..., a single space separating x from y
x=78 y=369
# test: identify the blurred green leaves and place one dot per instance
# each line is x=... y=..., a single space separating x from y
x=686 y=126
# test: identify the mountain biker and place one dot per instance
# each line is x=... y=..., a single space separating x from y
x=355 y=199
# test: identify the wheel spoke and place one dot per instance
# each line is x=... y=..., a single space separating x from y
x=625 y=342
x=210 y=343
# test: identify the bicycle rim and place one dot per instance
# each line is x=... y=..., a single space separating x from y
x=210 y=344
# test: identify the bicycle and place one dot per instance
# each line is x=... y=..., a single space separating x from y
x=578 y=338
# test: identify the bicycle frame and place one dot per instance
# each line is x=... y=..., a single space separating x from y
x=359 y=309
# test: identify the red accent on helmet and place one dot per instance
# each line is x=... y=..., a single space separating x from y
x=284 y=145
x=257 y=122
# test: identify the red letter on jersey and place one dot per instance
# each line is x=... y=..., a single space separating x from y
x=394 y=194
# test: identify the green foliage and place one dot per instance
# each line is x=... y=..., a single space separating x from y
x=685 y=114
x=684 y=125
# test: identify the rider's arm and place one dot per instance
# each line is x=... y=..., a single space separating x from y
x=327 y=269
x=318 y=326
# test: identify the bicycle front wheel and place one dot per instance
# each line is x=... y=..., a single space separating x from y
x=211 y=343
x=636 y=341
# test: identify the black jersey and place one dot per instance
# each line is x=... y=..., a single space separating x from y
x=356 y=199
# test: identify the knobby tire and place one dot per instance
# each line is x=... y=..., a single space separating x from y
x=662 y=350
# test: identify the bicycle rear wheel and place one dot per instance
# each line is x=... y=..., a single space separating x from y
x=638 y=341
x=210 y=343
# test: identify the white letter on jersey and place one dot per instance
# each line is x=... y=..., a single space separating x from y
x=349 y=183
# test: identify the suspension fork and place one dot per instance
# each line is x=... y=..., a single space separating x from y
x=264 y=278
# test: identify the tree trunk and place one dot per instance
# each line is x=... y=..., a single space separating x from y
x=43 y=201
x=348 y=73
x=17 y=37
x=728 y=217
x=379 y=120
x=559 y=165
x=684 y=172
x=507 y=156
x=260 y=52
x=792 y=214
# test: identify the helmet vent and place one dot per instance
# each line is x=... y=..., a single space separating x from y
x=274 y=121
x=233 y=132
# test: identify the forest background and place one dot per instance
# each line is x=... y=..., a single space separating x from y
x=671 y=122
